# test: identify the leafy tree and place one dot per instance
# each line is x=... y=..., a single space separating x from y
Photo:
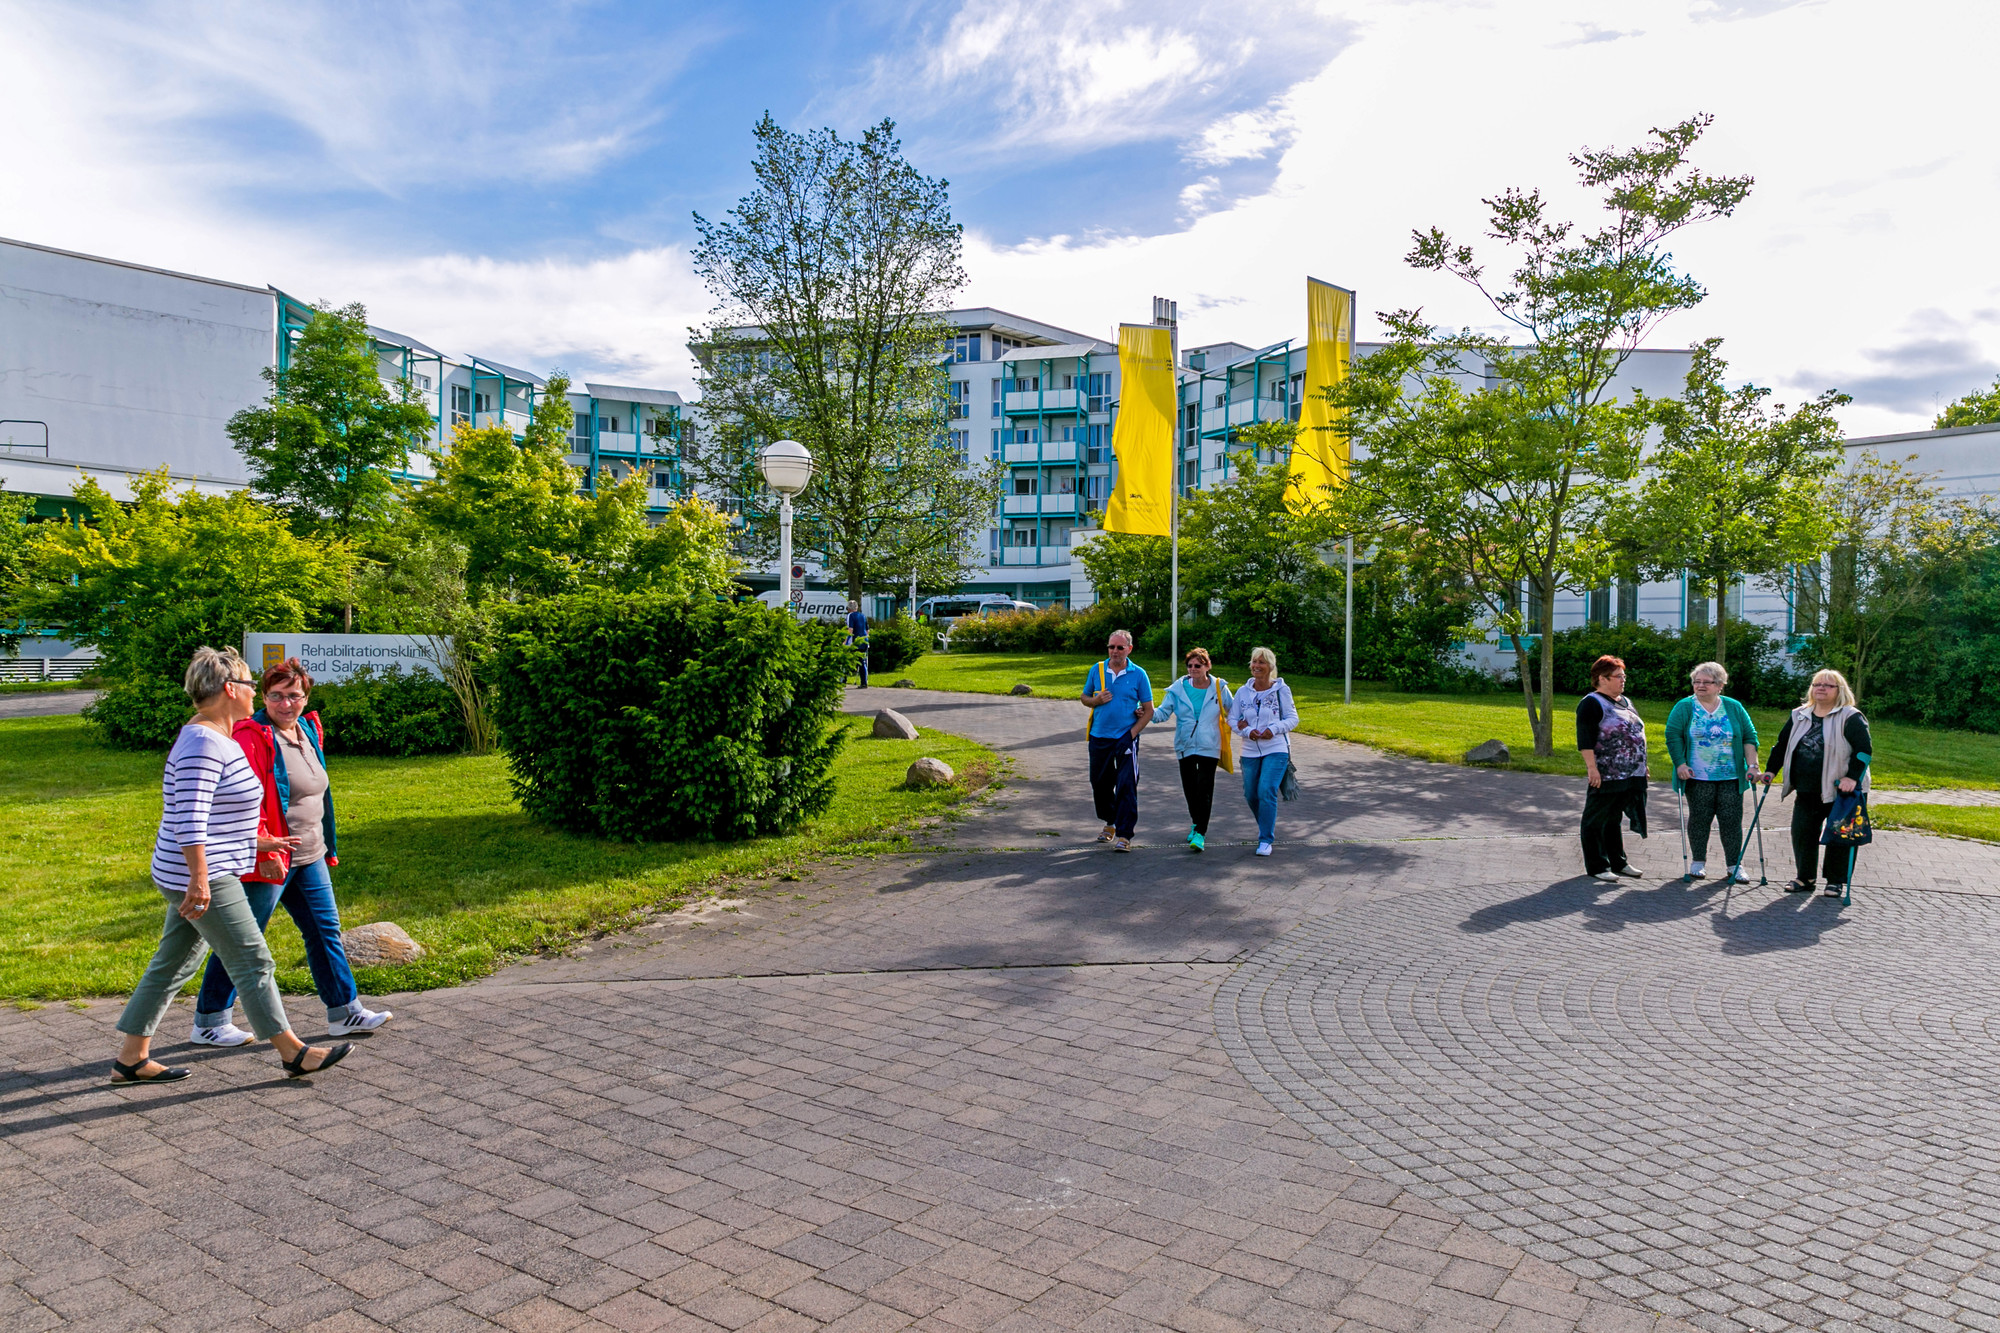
x=1131 y=570
x=828 y=278
x=1977 y=408
x=1893 y=532
x=149 y=582
x=1733 y=490
x=1262 y=568
x=323 y=444
x=14 y=532
x=1497 y=465
x=515 y=510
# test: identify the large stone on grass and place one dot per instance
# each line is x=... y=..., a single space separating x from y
x=1488 y=752
x=891 y=725
x=1021 y=689
x=381 y=944
x=929 y=772
x=904 y=684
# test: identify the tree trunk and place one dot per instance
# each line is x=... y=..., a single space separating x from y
x=1545 y=732
x=1722 y=621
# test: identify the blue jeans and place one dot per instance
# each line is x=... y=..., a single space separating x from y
x=1261 y=777
x=307 y=894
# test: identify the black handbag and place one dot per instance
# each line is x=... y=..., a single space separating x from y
x=1847 y=824
x=1288 y=785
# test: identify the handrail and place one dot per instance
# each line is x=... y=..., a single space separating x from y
x=26 y=421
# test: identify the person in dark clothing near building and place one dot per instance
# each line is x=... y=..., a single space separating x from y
x=1120 y=698
x=857 y=636
x=1824 y=752
x=1612 y=738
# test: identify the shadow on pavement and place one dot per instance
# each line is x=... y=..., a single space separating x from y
x=1786 y=922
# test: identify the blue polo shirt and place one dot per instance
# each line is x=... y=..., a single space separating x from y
x=1116 y=718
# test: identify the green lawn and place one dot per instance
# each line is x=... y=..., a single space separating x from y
x=436 y=845
x=1954 y=821
x=44 y=686
x=1442 y=727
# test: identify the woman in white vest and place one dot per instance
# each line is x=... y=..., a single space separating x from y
x=1261 y=715
x=1824 y=752
x=1199 y=705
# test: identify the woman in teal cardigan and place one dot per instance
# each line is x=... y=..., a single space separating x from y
x=1713 y=745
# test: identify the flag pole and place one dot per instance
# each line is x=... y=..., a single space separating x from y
x=1347 y=634
x=1171 y=315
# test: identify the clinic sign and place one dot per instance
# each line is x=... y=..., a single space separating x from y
x=335 y=657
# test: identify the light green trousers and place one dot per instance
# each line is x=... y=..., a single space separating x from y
x=230 y=928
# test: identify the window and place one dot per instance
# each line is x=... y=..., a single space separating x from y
x=1002 y=346
x=1027 y=385
x=1695 y=614
x=1628 y=601
x=611 y=424
x=961 y=446
x=1808 y=598
x=663 y=481
x=1020 y=536
x=996 y=398
x=955 y=409
x=1066 y=484
x=1096 y=446
x=422 y=383
x=1218 y=400
x=1599 y=612
x=965 y=347
x=1024 y=485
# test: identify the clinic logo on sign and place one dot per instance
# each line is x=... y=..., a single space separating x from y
x=274 y=653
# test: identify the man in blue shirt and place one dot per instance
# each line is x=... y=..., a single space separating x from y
x=857 y=635
x=1120 y=698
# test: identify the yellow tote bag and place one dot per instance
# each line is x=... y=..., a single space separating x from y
x=1090 y=714
x=1228 y=760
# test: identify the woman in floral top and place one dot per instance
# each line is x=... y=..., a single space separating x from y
x=1612 y=737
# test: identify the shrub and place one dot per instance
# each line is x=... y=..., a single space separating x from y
x=140 y=712
x=898 y=641
x=644 y=717
x=1657 y=661
x=391 y=714
x=1056 y=630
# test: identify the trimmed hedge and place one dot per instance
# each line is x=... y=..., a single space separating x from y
x=390 y=714
x=644 y=717
x=1657 y=662
x=1056 y=630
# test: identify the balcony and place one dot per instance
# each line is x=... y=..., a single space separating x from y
x=516 y=421
x=660 y=498
x=1049 y=451
x=617 y=442
x=1035 y=401
x=1243 y=412
x=1032 y=555
x=1015 y=505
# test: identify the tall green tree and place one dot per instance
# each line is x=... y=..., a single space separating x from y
x=1893 y=531
x=1978 y=408
x=324 y=443
x=15 y=511
x=828 y=280
x=1735 y=489
x=526 y=530
x=1497 y=463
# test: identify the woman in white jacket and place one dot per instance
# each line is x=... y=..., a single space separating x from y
x=1261 y=715
x=1198 y=703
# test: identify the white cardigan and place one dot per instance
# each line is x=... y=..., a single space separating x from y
x=1271 y=710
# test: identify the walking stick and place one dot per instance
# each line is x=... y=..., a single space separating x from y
x=1680 y=828
x=1757 y=827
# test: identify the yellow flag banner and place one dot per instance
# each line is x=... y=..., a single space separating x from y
x=1319 y=459
x=1143 y=439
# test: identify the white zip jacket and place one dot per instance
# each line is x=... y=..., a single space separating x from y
x=1271 y=710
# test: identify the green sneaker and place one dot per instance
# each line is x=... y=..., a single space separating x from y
x=1194 y=842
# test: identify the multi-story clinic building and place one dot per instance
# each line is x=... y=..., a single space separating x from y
x=111 y=369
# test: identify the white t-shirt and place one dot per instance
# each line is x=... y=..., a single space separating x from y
x=212 y=801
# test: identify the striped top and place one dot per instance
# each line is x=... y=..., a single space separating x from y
x=213 y=799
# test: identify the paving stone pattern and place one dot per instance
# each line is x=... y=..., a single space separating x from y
x=1776 y=1115
x=981 y=1086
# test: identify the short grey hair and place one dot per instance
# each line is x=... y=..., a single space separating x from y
x=1264 y=655
x=210 y=671
x=1715 y=669
x=1126 y=634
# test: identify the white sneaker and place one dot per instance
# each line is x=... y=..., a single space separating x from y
x=1696 y=869
x=226 y=1035
x=361 y=1020
x=1263 y=849
x=1606 y=877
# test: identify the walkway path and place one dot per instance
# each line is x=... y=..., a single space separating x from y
x=45 y=703
x=1407 y=1074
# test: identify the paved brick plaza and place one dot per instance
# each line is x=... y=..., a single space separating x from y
x=1408 y=1074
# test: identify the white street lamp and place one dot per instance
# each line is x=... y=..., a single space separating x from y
x=788 y=468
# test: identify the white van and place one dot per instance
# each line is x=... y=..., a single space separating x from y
x=818 y=604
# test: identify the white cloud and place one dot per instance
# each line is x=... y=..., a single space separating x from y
x=1237 y=137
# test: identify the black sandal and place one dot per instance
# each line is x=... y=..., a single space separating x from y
x=296 y=1066
x=1799 y=886
x=124 y=1073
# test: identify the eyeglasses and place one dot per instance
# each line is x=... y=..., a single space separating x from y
x=1824 y=685
x=242 y=680
x=1116 y=647
x=1708 y=680
x=285 y=696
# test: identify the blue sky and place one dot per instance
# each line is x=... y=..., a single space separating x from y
x=519 y=180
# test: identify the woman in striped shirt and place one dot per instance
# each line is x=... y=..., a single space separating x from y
x=209 y=838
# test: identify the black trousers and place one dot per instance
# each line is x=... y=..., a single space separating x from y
x=1114 y=781
x=1604 y=824
x=1808 y=822
x=1715 y=803
x=1198 y=785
